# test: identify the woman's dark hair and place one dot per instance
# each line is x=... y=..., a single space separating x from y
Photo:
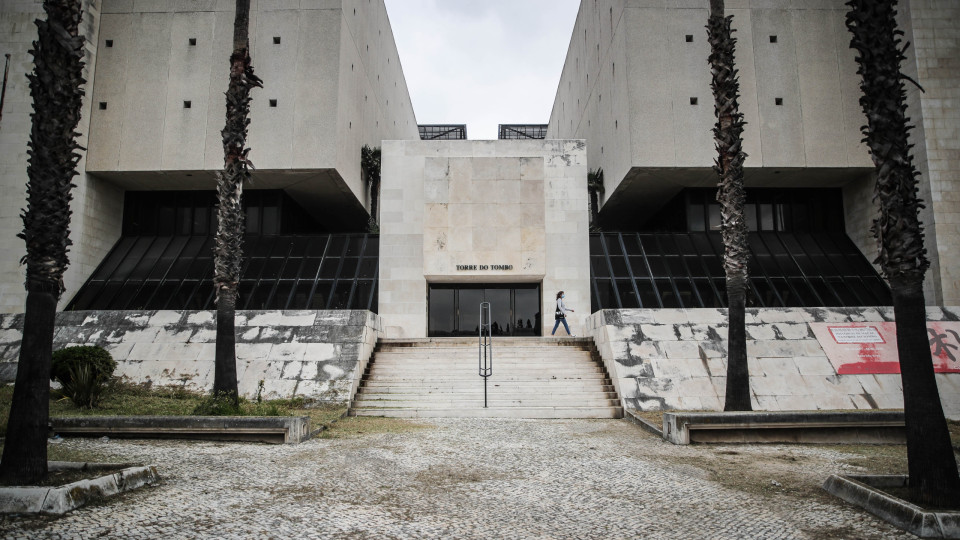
x=559 y=294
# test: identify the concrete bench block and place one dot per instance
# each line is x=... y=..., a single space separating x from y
x=779 y=427
x=270 y=429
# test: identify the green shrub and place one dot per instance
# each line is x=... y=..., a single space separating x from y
x=82 y=387
x=70 y=359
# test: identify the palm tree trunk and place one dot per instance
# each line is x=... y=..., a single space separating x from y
x=228 y=254
x=728 y=134
x=56 y=89
x=902 y=258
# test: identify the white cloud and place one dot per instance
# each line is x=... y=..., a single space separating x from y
x=482 y=62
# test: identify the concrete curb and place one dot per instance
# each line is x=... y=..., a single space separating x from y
x=644 y=424
x=58 y=500
x=865 y=491
x=857 y=427
x=269 y=429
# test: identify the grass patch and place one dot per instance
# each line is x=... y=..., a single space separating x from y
x=356 y=426
x=126 y=399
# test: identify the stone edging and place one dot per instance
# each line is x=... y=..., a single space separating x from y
x=864 y=491
x=270 y=429
x=58 y=500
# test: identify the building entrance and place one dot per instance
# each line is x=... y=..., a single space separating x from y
x=454 y=309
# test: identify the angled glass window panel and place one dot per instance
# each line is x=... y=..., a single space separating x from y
x=301 y=295
x=271 y=220
x=605 y=295
x=258 y=246
x=260 y=294
x=183 y=294
x=252 y=221
x=648 y=296
x=825 y=292
x=714 y=266
x=675 y=266
x=281 y=246
x=309 y=268
x=701 y=244
x=599 y=268
x=169 y=256
x=372 y=248
x=361 y=295
x=632 y=244
x=317 y=245
x=374 y=307
x=298 y=246
x=184 y=220
x=113 y=260
x=354 y=245
x=133 y=257
x=142 y=296
x=150 y=259
x=596 y=244
x=163 y=294
x=442 y=311
x=879 y=290
x=628 y=298
x=787 y=297
x=860 y=291
x=765 y=295
x=713 y=212
x=321 y=295
x=844 y=291
x=202 y=265
x=613 y=245
x=201 y=220
x=271 y=269
x=328 y=269
x=766 y=217
x=639 y=267
x=708 y=297
x=107 y=293
x=281 y=294
x=202 y=297
x=243 y=293
x=804 y=293
x=368 y=268
x=650 y=246
x=337 y=244
x=667 y=294
x=253 y=268
x=668 y=244
x=341 y=295
x=619 y=266
x=721 y=286
x=87 y=295
x=187 y=256
x=348 y=270
x=688 y=297
x=658 y=266
x=291 y=269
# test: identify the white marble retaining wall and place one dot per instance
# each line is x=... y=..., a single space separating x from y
x=676 y=359
x=315 y=354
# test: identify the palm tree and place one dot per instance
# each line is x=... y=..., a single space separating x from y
x=728 y=134
x=595 y=189
x=55 y=86
x=370 y=163
x=930 y=460
x=236 y=165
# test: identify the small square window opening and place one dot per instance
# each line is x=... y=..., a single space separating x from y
x=773 y=39
x=193 y=41
x=109 y=43
x=103 y=105
x=276 y=40
x=689 y=38
x=187 y=104
x=273 y=103
x=778 y=101
x=693 y=101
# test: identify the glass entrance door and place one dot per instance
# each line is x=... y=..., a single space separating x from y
x=454 y=310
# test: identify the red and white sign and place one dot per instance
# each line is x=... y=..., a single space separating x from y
x=871 y=348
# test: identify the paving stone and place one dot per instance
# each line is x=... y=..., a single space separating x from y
x=464 y=478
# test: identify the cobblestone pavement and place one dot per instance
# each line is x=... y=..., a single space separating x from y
x=464 y=478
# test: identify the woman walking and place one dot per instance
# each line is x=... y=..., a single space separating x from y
x=561 y=315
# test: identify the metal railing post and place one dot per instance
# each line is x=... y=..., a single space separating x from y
x=485 y=347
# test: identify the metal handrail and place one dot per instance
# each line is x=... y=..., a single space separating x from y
x=485 y=347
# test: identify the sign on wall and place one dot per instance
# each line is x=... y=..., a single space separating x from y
x=871 y=348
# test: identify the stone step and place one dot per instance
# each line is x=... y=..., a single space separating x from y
x=473 y=354
x=478 y=402
x=494 y=412
x=473 y=341
x=561 y=394
x=453 y=371
x=572 y=385
x=414 y=380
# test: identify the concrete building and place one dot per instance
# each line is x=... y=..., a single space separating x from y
x=507 y=221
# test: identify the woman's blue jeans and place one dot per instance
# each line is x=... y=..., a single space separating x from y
x=557 y=324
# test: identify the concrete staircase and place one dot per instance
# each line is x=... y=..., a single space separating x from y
x=532 y=378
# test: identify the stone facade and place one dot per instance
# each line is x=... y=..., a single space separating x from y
x=519 y=204
x=97 y=205
x=314 y=354
x=676 y=359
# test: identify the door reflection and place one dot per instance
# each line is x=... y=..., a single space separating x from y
x=454 y=310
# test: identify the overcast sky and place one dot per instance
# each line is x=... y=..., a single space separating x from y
x=482 y=62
